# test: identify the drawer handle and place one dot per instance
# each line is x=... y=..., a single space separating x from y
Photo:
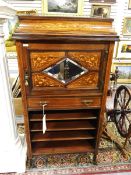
x=43 y=102
x=87 y=102
x=26 y=79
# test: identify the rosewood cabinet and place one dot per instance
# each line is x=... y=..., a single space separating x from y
x=64 y=64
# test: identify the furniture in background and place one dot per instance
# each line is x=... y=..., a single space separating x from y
x=118 y=110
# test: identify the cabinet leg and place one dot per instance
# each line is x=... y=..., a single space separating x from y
x=95 y=159
x=29 y=163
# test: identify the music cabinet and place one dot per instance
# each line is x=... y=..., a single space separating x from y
x=64 y=64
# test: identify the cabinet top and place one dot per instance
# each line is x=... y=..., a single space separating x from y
x=69 y=28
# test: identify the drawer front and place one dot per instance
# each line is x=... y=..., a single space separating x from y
x=64 y=103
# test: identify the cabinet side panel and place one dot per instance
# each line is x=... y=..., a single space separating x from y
x=104 y=97
x=22 y=66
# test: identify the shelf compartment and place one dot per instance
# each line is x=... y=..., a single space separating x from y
x=62 y=135
x=62 y=147
x=64 y=115
x=64 y=125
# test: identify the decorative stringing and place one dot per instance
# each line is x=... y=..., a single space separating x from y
x=89 y=60
x=88 y=80
x=42 y=60
x=42 y=80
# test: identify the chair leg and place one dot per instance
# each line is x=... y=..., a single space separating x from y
x=128 y=136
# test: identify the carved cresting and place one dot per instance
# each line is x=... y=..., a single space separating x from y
x=89 y=60
x=87 y=80
x=42 y=80
x=42 y=60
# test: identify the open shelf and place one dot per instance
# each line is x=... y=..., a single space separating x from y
x=62 y=147
x=64 y=125
x=62 y=135
x=66 y=115
x=67 y=131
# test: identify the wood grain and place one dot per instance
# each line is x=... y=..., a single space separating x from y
x=75 y=110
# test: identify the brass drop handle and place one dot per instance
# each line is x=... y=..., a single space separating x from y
x=87 y=102
x=26 y=79
x=106 y=51
x=43 y=103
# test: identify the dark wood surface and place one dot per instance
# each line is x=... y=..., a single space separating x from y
x=63 y=115
x=60 y=147
x=63 y=126
x=63 y=135
x=75 y=109
x=62 y=18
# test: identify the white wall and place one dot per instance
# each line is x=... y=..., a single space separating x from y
x=27 y=5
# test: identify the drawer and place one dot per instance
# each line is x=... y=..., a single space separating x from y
x=54 y=103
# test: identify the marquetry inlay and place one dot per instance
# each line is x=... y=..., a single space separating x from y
x=66 y=69
x=88 y=80
x=42 y=60
x=66 y=27
x=42 y=80
x=89 y=60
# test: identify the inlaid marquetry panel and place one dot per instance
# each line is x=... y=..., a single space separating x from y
x=89 y=60
x=65 y=26
x=42 y=60
x=88 y=80
x=42 y=80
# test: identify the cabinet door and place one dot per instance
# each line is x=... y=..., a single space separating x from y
x=62 y=67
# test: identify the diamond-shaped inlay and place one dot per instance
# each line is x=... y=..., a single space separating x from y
x=65 y=70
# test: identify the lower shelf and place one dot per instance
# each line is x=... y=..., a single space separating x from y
x=63 y=135
x=63 y=147
x=68 y=131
